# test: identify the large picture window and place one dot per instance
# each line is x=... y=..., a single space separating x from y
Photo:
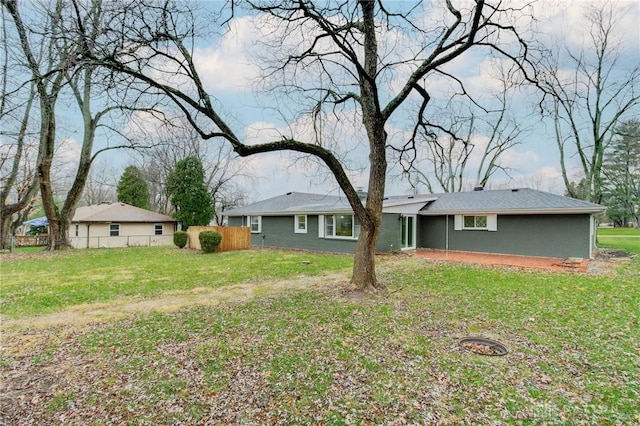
x=341 y=226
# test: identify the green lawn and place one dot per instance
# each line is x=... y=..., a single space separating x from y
x=627 y=239
x=326 y=357
x=49 y=283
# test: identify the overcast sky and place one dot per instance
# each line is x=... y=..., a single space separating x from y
x=227 y=65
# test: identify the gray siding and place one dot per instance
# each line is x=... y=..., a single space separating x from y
x=277 y=231
x=534 y=235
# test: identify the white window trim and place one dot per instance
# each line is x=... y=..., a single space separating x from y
x=492 y=223
x=474 y=228
x=296 y=224
x=355 y=227
x=414 y=233
x=161 y=225
x=320 y=226
x=249 y=220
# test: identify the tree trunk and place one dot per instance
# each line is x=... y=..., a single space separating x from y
x=58 y=236
x=58 y=223
x=5 y=231
x=364 y=271
x=364 y=267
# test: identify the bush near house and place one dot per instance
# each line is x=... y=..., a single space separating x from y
x=209 y=241
x=180 y=238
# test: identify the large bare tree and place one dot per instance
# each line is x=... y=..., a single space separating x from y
x=350 y=44
x=590 y=89
x=18 y=180
x=58 y=74
x=47 y=74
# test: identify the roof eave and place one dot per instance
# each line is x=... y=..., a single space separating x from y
x=287 y=213
x=515 y=211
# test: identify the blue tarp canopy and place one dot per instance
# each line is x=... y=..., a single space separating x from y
x=38 y=221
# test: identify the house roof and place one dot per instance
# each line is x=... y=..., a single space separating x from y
x=505 y=201
x=300 y=202
x=117 y=212
x=294 y=202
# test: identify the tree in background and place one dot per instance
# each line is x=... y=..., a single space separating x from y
x=18 y=179
x=102 y=184
x=622 y=175
x=177 y=141
x=133 y=189
x=466 y=148
x=189 y=196
x=590 y=90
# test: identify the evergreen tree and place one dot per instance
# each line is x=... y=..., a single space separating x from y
x=189 y=196
x=133 y=189
x=622 y=175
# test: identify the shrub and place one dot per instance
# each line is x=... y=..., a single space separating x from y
x=180 y=238
x=209 y=241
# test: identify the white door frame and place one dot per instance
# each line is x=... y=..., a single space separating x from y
x=404 y=229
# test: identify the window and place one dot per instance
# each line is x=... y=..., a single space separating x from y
x=341 y=226
x=254 y=222
x=487 y=222
x=157 y=228
x=114 y=230
x=77 y=230
x=300 y=224
x=475 y=222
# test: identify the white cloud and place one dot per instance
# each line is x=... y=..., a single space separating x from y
x=226 y=64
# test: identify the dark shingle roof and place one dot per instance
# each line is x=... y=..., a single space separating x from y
x=294 y=202
x=491 y=201
x=522 y=200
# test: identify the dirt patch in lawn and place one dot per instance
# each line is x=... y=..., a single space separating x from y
x=22 y=335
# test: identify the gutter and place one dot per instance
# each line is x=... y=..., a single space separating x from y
x=511 y=212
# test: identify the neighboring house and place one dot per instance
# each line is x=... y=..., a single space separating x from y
x=512 y=221
x=120 y=225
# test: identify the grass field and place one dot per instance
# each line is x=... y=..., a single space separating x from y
x=321 y=355
x=627 y=239
x=49 y=283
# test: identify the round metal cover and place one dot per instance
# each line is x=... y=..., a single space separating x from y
x=482 y=346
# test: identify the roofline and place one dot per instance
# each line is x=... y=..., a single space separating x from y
x=514 y=211
x=431 y=213
x=121 y=221
x=287 y=213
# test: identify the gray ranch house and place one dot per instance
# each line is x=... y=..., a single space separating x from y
x=510 y=221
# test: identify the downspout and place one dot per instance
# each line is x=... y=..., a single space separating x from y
x=593 y=237
x=446 y=233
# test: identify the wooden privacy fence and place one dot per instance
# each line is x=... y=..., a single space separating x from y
x=31 y=240
x=233 y=238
